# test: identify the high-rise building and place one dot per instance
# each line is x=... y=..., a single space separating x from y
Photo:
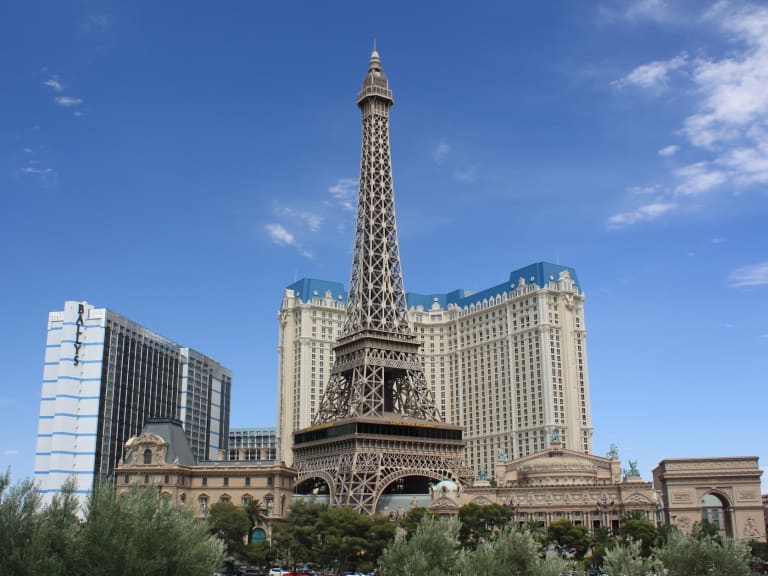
x=508 y=363
x=103 y=376
x=252 y=444
x=376 y=430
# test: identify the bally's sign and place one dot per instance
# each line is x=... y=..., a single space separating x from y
x=78 y=333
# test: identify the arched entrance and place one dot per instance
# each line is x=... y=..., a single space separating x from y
x=313 y=489
x=716 y=511
x=404 y=493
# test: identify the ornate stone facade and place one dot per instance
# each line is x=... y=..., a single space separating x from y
x=558 y=484
x=724 y=491
x=160 y=456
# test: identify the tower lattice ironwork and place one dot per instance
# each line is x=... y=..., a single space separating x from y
x=377 y=421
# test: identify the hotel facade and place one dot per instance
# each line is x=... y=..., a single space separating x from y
x=508 y=363
x=103 y=376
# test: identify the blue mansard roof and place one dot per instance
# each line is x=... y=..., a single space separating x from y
x=539 y=273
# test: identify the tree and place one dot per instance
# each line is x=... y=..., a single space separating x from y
x=569 y=537
x=231 y=524
x=512 y=551
x=481 y=522
x=635 y=528
x=37 y=540
x=687 y=555
x=346 y=538
x=433 y=550
x=412 y=519
x=256 y=512
x=627 y=560
x=296 y=538
x=133 y=534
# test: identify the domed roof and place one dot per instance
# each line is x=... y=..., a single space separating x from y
x=446 y=486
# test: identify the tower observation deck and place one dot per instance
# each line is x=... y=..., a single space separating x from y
x=377 y=427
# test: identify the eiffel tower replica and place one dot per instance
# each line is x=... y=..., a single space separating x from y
x=377 y=424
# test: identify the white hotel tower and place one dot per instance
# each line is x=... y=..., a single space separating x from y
x=508 y=363
x=103 y=376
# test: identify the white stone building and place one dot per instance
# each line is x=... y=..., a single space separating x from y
x=508 y=363
x=103 y=376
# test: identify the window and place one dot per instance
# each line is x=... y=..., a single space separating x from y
x=167 y=479
x=205 y=481
x=203 y=503
x=247 y=480
x=147 y=456
x=226 y=481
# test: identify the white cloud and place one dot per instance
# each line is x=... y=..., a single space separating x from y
x=68 y=101
x=32 y=170
x=643 y=190
x=10 y=452
x=635 y=10
x=669 y=150
x=718 y=240
x=311 y=220
x=644 y=213
x=441 y=151
x=653 y=75
x=752 y=275
x=54 y=84
x=280 y=235
x=698 y=178
x=727 y=124
x=344 y=192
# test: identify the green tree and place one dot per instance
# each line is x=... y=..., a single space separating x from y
x=257 y=513
x=688 y=555
x=231 y=524
x=433 y=550
x=37 y=540
x=295 y=539
x=512 y=551
x=627 y=560
x=133 y=534
x=410 y=522
x=481 y=522
x=345 y=538
x=635 y=528
x=569 y=537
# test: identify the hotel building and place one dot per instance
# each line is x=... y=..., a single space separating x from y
x=103 y=376
x=508 y=363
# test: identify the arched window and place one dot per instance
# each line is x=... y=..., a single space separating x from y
x=147 y=456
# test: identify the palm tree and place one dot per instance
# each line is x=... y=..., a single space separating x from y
x=256 y=512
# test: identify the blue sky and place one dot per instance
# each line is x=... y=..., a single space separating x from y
x=182 y=162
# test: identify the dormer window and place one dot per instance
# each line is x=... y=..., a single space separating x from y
x=147 y=456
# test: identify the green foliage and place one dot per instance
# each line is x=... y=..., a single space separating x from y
x=480 y=523
x=412 y=519
x=513 y=551
x=571 y=537
x=433 y=550
x=257 y=554
x=685 y=555
x=257 y=512
x=627 y=560
x=295 y=539
x=340 y=537
x=132 y=534
x=638 y=529
x=231 y=524
x=36 y=540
